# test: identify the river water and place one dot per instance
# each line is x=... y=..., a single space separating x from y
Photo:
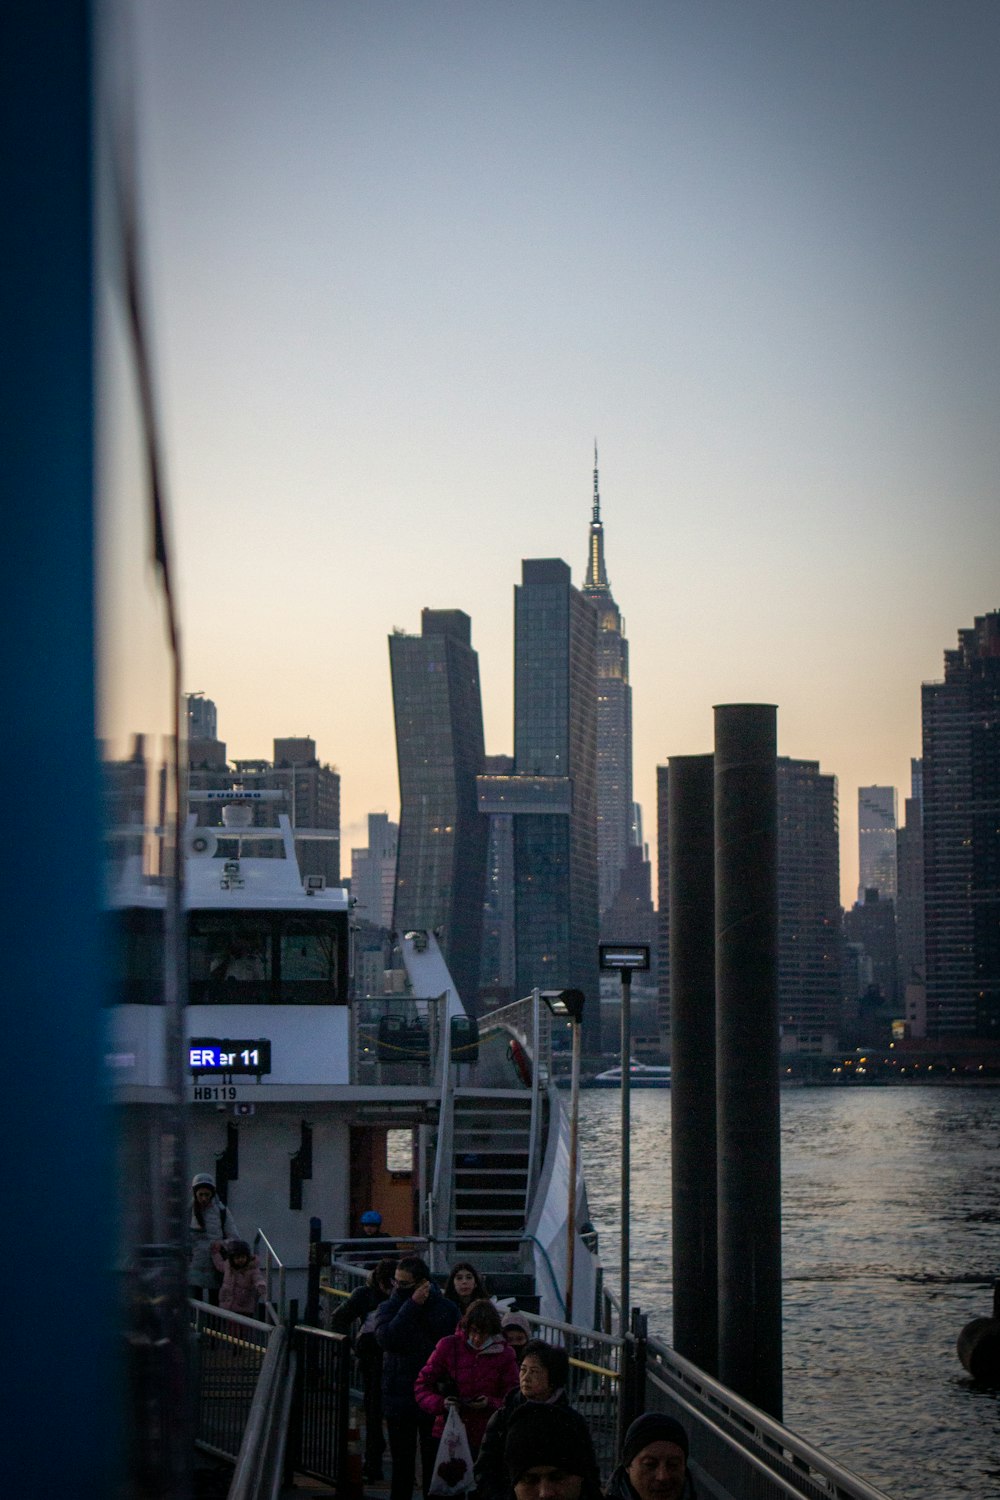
x=890 y=1244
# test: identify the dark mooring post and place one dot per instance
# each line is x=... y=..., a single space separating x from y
x=746 y=975
x=691 y=856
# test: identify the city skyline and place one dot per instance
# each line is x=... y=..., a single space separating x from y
x=404 y=266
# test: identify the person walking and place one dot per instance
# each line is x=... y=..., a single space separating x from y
x=549 y=1454
x=517 y=1332
x=407 y=1327
x=243 y=1282
x=474 y=1368
x=653 y=1463
x=465 y=1286
x=209 y=1221
x=543 y=1376
x=361 y=1306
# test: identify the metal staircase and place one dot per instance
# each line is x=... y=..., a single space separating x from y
x=491 y=1187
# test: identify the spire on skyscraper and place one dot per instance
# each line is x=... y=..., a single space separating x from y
x=596 y=576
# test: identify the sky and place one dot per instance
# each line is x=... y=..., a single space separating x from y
x=405 y=262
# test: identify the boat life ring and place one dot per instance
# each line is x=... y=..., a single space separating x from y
x=521 y=1061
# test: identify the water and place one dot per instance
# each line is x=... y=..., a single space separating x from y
x=890 y=1244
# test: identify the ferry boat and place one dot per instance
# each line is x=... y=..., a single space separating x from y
x=641 y=1076
x=308 y=1102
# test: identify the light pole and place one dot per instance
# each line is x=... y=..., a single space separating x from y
x=624 y=959
x=569 y=1004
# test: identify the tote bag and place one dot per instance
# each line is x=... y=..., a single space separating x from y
x=453 y=1470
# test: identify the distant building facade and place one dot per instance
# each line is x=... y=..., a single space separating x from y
x=810 y=936
x=552 y=794
x=614 y=718
x=441 y=859
x=809 y=914
x=961 y=837
x=910 y=885
x=877 y=841
x=373 y=872
x=871 y=925
x=311 y=800
x=498 y=969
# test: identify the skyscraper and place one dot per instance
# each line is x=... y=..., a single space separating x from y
x=555 y=739
x=809 y=930
x=441 y=859
x=373 y=872
x=877 y=841
x=552 y=794
x=614 y=717
x=910 y=884
x=961 y=823
x=809 y=926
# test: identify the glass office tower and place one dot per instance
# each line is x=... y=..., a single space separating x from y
x=441 y=859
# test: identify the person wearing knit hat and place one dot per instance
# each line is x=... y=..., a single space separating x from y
x=517 y=1332
x=654 y=1462
x=549 y=1454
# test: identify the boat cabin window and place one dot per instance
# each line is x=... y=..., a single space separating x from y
x=266 y=958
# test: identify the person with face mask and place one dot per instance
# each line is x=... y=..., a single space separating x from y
x=407 y=1327
x=474 y=1368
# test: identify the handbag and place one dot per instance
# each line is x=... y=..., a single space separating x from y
x=453 y=1469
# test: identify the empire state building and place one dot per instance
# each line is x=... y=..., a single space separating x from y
x=614 y=717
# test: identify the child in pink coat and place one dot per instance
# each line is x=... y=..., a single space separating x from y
x=243 y=1281
x=473 y=1368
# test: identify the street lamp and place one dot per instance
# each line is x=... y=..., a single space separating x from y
x=625 y=959
x=569 y=1005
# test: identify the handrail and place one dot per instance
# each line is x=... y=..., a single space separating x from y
x=439 y=1208
x=272 y=1256
x=263 y=1435
x=699 y=1393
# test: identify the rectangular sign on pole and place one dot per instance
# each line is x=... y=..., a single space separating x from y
x=618 y=956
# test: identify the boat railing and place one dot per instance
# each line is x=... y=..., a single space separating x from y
x=397 y=1039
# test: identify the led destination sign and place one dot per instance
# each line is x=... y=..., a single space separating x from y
x=211 y=1054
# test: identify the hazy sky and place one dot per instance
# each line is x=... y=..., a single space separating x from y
x=406 y=261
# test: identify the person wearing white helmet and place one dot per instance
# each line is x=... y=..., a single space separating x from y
x=210 y=1220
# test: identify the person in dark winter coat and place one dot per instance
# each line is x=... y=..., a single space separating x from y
x=361 y=1307
x=542 y=1377
x=407 y=1327
x=473 y=1368
x=243 y=1282
x=654 y=1462
x=549 y=1454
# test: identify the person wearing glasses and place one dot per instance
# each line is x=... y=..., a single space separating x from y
x=408 y=1327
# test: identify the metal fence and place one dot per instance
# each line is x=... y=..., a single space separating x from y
x=229 y=1352
x=317 y=1439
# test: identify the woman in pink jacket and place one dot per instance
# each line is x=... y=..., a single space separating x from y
x=243 y=1282
x=473 y=1368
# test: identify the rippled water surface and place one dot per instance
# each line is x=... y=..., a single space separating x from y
x=891 y=1241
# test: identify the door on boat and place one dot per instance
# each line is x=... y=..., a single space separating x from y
x=383 y=1176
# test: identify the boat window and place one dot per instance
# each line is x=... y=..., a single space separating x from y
x=308 y=962
x=266 y=958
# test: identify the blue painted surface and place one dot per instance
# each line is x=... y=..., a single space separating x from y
x=58 y=1407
